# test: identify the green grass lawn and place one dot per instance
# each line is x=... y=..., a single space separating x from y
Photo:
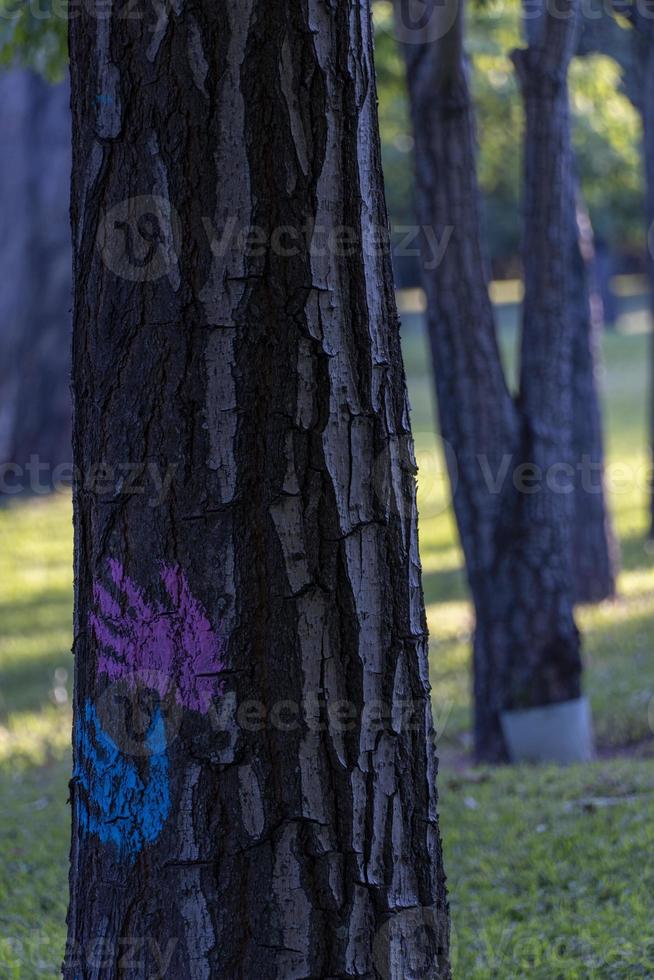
x=550 y=870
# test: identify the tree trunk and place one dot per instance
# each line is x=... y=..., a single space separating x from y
x=595 y=552
x=254 y=785
x=594 y=547
x=477 y=417
x=548 y=337
x=35 y=410
x=516 y=544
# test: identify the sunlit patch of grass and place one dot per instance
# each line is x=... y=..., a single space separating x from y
x=35 y=604
x=35 y=738
x=637 y=584
x=35 y=622
x=35 y=733
x=453 y=622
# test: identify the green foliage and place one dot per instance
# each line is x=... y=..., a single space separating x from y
x=34 y=33
x=397 y=138
x=607 y=143
x=494 y=31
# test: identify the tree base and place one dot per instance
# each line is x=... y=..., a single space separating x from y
x=561 y=733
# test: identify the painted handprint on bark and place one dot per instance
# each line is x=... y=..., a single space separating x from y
x=170 y=648
x=114 y=801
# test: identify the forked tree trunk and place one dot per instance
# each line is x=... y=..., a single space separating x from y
x=254 y=788
x=516 y=543
x=35 y=299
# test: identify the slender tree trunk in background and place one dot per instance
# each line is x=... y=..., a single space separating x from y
x=35 y=410
x=548 y=340
x=516 y=544
x=594 y=545
x=254 y=786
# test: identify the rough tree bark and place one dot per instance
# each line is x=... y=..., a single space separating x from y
x=254 y=783
x=516 y=543
x=35 y=409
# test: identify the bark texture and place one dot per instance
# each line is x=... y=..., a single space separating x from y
x=35 y=409
x=516 y=542
x=261 y=624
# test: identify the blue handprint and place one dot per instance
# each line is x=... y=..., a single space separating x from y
x=115 y=803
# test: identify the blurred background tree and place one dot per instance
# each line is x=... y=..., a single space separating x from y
x=606 y=135
x=35 y=299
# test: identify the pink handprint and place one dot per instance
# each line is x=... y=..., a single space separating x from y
x=163 y=648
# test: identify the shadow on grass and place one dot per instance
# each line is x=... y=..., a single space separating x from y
x=447 y=585
x=29 y=616
x=28 y=685
x=637 y=553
